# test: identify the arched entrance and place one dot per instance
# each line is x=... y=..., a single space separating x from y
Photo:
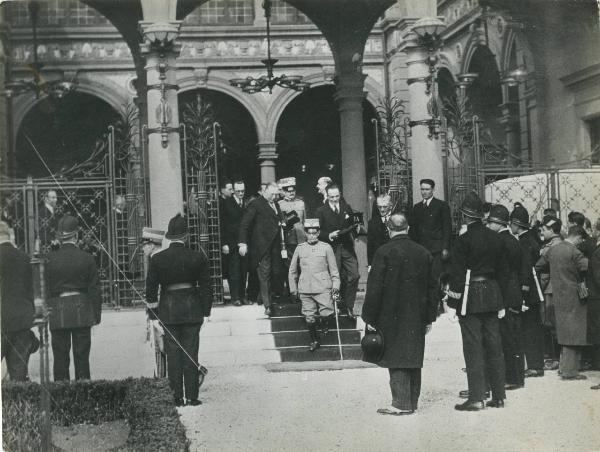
x=309 y=144
x=238 y=161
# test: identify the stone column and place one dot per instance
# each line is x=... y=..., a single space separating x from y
x=349 y=96
x=164 y=160
x=5 y=126
x=267 y=154
x=510 y=120
x=426 y=158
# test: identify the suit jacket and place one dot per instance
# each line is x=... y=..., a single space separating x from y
x=16 y=289
x=69 y=269
x=231 y=218
x=377 y=235
x=401 y=299
x=431 y=226
x=47 y=225
x=178 y=264
x=259 y=229
x=330 y=222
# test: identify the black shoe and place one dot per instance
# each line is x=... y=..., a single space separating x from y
x=179 y=402
x=470 y=405
x=495 y=403
x=269 y=312
x=574 y=377
x=464 y=394
x=595 y=387
x=314 y=345
x=237 y=303
x=534 y=373
x=193 y=402
x=512 y=387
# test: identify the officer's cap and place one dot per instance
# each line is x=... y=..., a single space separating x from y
x=67 y=227
x=150 y=235
x=520 y=217
x=472 y=206
x=177 y=229
x=312 y=223
x=288 y=183
x=498 y=214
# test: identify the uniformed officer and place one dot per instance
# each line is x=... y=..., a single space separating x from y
x=185 y=299
x=292 y=202
x=314 y=275
x=513 y=277
x=75 y=301
x=475 y=294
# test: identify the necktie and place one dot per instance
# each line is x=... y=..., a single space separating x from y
x=335 y=209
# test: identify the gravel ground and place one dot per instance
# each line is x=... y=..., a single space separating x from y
x=251 y=409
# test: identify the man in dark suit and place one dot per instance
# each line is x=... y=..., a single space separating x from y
x=337 y=230
x=377 y=231
x=16 y=287
x=475 y=264
x=260 y=233
x=73 y=282
x=431 y=226
x=401 y=302
x=183 y=276
x=232 y=211
x=47 y=223
x=226 y=192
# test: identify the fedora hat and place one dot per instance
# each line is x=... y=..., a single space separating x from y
x=177 y=229
x=67 y=227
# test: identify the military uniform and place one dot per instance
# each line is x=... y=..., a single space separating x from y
x=313 y=274
x=73 y=285
x=479 y=250
x=185 y=299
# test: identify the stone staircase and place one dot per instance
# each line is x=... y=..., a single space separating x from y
x=245 y=336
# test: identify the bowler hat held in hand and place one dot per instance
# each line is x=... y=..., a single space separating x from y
x=372 y=346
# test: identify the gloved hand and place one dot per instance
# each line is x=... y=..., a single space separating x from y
x=501 y=313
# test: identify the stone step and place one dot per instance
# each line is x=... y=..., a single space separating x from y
x=302 y=338
x=294 y=323
x=324 y=353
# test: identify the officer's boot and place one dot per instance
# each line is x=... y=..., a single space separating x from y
x=326 y=324
x=314 y=340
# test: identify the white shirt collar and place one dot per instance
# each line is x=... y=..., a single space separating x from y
x=427 y=201
x=49 y=207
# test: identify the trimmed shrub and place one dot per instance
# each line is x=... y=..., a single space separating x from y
x=147 y=405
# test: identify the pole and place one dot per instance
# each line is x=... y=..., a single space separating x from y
x=375 y=126
x=335 y=298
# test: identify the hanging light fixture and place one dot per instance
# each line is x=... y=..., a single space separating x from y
x=52 y=88
x=265 y=83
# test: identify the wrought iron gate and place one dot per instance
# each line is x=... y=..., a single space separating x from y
x=202 y=199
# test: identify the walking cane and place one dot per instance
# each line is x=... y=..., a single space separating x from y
x=463 y=308
x=335 y=295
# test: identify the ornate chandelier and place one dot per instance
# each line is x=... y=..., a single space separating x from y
x=52 y=88
x=265 y=83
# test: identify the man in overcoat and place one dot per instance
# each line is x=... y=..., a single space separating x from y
x=183 y=277
x=337 y=230
x=473 y=272
x=260 y=234
x=593 y=283
x=401 y=302
x=232 y=211
x=73 y=283
x=567 y=266
x=16 y=287
x=377 y=232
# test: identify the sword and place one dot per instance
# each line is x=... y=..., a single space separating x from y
x=335 y=295
x=537 y=285
x=463 y=308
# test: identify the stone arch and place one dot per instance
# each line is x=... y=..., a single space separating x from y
x=373 y=89
x=220 y=82
x=474 y=42
x=449 y=60
x=103 y=88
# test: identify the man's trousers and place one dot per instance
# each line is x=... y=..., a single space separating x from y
x=512 y=345
x=268 y=268
x=181 y=346
x=533 y=337
x=238 y=271
x=482 y=349
x=15 y=347
x=406 y=388
x=348 y=267
x=61 y=351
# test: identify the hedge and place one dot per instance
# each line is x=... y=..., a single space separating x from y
x=146 y=404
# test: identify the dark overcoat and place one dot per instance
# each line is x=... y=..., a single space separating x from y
x=259 y=229
x=593 y=304
x=566 y=264
x=513 y=272
x=231 y=217
x=431 y=226
x=401 y=300
x=16 y=288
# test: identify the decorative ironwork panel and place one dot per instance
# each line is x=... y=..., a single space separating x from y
x=13 y=201
x=579 y=190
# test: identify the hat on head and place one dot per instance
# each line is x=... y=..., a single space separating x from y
x=4 y=229
x=177 y=229
x=499 y=214
x=520 y=217
x=152 y=235
x=288 y=183
x=67 y=227
x=550 y=221
x=312 y=223
x=472 y=206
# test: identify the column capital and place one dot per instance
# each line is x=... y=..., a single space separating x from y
x=160 y=36
x=267 y=151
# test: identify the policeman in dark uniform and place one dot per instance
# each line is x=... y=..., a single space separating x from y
x=185 y=299
x=512 y=277
x=475 y=294
x=76 y=303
